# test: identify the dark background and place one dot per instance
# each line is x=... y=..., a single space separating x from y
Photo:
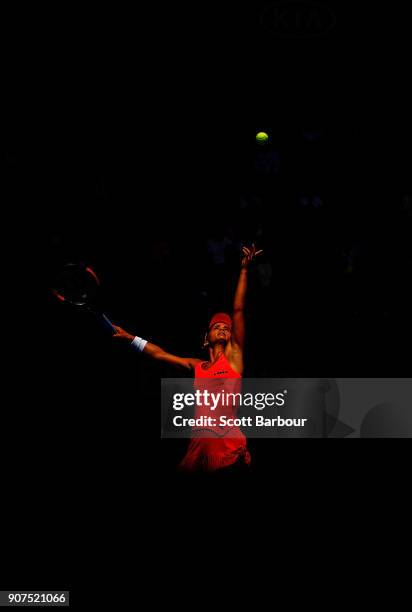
x=132 y=153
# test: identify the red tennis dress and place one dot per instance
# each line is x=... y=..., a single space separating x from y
x=217 y=445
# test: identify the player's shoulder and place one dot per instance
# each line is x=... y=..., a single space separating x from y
x=234 y=355
x=194 y=361
x=233 y=349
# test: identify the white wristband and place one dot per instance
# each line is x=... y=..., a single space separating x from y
x=139 y=343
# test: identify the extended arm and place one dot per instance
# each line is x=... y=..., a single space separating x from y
x=238 y=331
x=156 y=352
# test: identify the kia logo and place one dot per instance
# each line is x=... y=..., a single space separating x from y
x=298 y=19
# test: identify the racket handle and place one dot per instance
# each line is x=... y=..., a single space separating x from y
x=108 y=324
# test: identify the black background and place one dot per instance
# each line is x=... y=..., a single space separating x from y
x=166 y=122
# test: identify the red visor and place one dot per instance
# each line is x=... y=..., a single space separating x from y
x=221 y=317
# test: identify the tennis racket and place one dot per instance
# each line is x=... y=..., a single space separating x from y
x=77 y=284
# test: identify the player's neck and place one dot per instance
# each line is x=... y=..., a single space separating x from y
x=216 y=352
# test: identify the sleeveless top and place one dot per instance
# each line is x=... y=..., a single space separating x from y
x=219 y=379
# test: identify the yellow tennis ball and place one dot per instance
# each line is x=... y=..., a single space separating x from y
x=262 y=138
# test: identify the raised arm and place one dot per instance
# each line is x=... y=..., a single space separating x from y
x=156 y=352
x=238 y=329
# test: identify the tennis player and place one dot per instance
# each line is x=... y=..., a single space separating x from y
x=215 y=448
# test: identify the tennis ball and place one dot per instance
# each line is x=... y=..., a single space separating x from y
x=262 y=138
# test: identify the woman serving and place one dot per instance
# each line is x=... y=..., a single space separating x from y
x=216 y=447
